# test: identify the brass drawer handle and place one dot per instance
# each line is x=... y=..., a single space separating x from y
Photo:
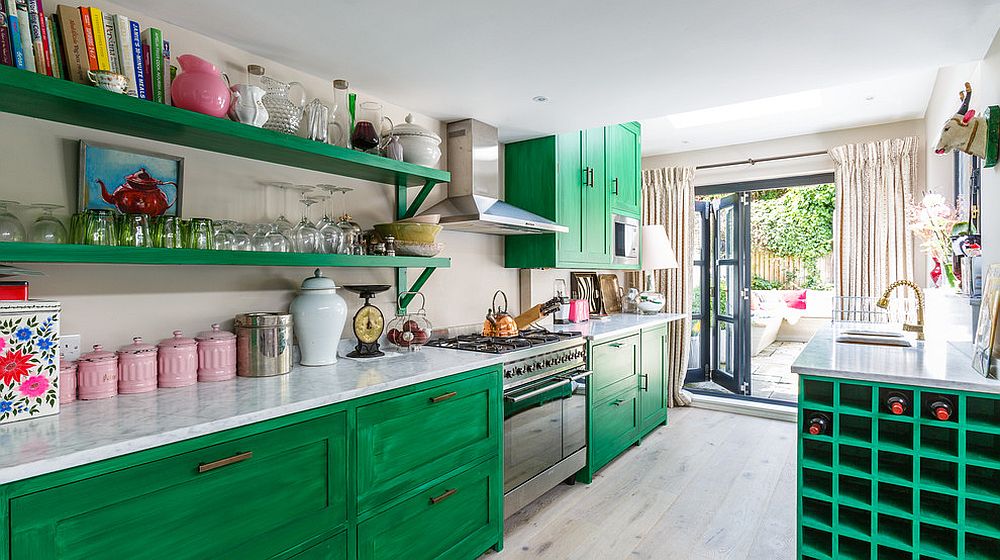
x=447 y=494
x=443 y=397
x=616 y=344
x=618 y=402
x=238 y=458
x=645 y=378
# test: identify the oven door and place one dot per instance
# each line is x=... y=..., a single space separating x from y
x=544 y=422
x=626 y=239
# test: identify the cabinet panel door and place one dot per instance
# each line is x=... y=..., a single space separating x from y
x=290 y=488
x=597 y=217
x=408 y=440
x=334 y=548
x=624 y=169
x=456 y=518
x=616 y=426
x=652 y=378
x=615 y=365
x=571 y=185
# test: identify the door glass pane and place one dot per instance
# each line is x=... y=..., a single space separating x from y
x=727 y=226
x=727 y=289
x=698 y=256
x=697 y=277
x=694 y=356
x=725 y=347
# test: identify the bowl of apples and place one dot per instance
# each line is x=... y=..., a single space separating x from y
x=410 y=331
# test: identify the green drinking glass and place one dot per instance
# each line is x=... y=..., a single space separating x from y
x=167 y=232
x=133 y=231
x=200 y=234
x=100 y=228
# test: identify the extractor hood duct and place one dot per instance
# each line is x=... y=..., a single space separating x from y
x=473 y=202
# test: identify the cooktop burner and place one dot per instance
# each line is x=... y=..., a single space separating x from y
x=496 y=345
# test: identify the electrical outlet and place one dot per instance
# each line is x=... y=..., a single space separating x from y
x=69 y=346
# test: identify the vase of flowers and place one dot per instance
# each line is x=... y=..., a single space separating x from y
x=932 y=221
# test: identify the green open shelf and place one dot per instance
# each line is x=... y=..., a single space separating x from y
x=44 y=97
x=46 y=253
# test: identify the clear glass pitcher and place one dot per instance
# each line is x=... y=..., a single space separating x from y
x=284 y=108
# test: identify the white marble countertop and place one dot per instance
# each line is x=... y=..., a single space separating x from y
x=617 y=325
x=932 y=363
x=89 y=431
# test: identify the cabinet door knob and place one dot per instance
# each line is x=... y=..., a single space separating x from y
x=447 y=494
x=239 y=457
x=443 y=397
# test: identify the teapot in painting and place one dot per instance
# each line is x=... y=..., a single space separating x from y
x=139 y=194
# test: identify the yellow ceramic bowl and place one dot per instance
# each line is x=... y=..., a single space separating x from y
x=409 y=232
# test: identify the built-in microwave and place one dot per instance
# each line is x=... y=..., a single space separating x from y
x=625 y=231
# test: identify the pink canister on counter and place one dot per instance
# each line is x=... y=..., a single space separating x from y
x=216 y=355
x=97 y=375
x=67 y=381
x=136 y=367
x=178 y=361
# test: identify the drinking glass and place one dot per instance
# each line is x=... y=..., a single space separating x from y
x=167 y=232
x=277 y=241
x=47 y=228
x=305 y=237
x=200 y=235
x=368 y=127
x=11 y=228
x=223 y=234
x=242 y=240
x=78 y=228
x=133 y=231
x=100 y=228
x=284 y=225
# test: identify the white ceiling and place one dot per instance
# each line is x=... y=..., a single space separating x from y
x=601 y=62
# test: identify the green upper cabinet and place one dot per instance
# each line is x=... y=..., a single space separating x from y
x=624 y=168
x=570 y=178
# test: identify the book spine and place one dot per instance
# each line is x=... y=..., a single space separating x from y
x=166 y=73
x=112 y=43
x=73 y=44
x=6 y=50
x=88 y=37
x=43 y=28
x=139 y=67
x=14 y=28
x=123 y=38
x=55 y=49
x=37 y=47
x=152 y=49
x=26 y=45
x=100 y=39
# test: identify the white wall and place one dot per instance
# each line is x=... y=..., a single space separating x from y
x=110 y=304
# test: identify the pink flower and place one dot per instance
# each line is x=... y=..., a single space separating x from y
x=34 y=386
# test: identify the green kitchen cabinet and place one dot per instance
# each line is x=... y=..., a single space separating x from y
x=251 y=497
x=615 y=365
x=616 y=426
x=570 y=179
x=334 y=548
x=652 y=379
x=625 y=168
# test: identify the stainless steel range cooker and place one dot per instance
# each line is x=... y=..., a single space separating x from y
x=545 y=409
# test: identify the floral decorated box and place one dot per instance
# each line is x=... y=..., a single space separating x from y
x=29 y=359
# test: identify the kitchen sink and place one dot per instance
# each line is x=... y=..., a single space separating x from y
x=874 y=338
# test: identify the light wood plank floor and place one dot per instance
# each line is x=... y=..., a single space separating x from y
x=711 y=485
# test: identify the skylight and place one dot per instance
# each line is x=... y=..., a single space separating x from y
x=801 y=101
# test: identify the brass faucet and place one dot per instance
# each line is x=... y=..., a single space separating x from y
x=883 y=302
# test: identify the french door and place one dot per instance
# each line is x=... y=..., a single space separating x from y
x=721 y=316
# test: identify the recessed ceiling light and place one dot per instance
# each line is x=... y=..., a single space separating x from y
x=870 y=98
x=779 y=104
x=540 y=99
x=685 y=141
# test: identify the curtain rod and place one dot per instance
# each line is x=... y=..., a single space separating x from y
x=751 y=161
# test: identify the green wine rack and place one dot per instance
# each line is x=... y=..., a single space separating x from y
x=882 y=486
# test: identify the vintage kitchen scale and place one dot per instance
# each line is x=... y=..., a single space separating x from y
x=368 y=322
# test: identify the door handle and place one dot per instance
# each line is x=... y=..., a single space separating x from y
x=581 y=376
x=645 y=378
x=525 y=396
x=443 y=397
x=616 y=185
x=616 y=344
x=238 y=458
x=618 y=402
x=590 y=174
x=447 y=494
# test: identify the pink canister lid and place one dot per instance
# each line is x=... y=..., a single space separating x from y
x=98 y=355
x=214 y=334
x=67 y=367
x=137 y=347
x=177 y=341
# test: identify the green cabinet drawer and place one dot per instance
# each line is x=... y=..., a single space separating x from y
x=456 y=518
x=251 y=497
x=334 y=548
x=652 y=378
x=615 y=365
x=408 y=440
x=615 y=426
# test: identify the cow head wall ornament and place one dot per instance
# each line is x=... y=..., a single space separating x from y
x=964 y=131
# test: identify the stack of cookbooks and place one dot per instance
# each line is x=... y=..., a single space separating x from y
x=73 y=41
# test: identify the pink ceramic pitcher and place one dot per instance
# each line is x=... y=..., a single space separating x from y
x=200 y=87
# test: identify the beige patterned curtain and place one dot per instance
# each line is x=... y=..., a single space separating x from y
x=874 y=185
x=668 y=199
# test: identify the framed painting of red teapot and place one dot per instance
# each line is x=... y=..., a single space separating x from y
x=129 y=181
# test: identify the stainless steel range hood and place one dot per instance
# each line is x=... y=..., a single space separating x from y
x=473 y=202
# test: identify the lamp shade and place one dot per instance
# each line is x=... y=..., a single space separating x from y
x=657 y=251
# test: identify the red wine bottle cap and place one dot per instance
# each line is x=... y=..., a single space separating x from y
x=942 y=413
x=897 y=408
x=814 y=429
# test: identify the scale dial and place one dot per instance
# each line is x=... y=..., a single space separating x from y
x=368 y=324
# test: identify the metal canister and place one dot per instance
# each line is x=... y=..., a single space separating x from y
x=263 y=344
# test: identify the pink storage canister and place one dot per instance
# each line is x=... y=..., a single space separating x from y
x=216 y=355
x=97 y=375
x=136 y=367
x=67 y=381
x=178 y=361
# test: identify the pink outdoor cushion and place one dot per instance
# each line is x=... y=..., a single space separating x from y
x=796 y=300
